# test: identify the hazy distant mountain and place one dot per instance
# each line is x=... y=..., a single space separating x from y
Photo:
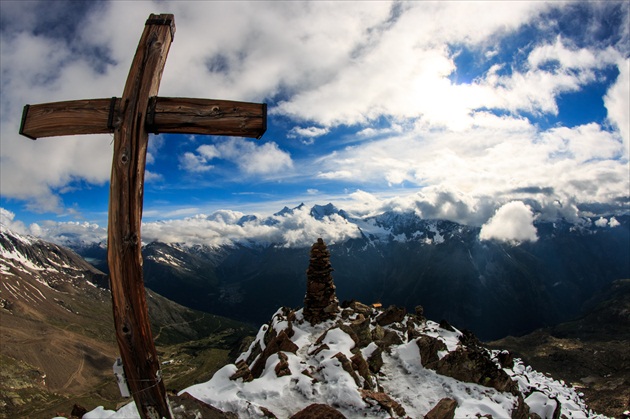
x=398 y=258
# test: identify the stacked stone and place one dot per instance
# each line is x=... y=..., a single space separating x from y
x=320 y=302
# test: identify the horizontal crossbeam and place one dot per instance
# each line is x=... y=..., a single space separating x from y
x=164 y=115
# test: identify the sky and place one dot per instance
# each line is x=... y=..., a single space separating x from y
x=468 y=111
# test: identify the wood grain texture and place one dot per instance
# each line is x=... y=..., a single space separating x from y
x=163 y=115
x=73 y=117
x=207 y=116
x=133 y=331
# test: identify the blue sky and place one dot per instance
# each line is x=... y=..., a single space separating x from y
x=449 y=109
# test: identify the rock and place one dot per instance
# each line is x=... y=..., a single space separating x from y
x=522 y=409
x=446 y=326
x=360 y=308
x=320 y=301
x=186 y=406
x=277 y=343
x=361 y=328
x=268 y=413
x=360 y=365
x=318 y=411
x=389 y=404
x=474 y=366
x=78 y=411
x=243 y=372
x=468 y=338
x=282 y=367
x=429 y=347
x=347 y=367
x=389 y=338
x=391 y=315
x=350 y=332
x=445 y=409
x=256 y=350
x=506 y=359
x=375 y=360
x=319 y=349
x=378 y=333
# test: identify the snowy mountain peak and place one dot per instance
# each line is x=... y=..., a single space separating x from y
x=320 y=211
x=46 y=262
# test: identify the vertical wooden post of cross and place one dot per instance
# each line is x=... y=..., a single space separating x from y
x=124 y=256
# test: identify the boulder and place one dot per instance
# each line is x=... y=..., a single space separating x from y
x=318 y=411
x=386 y=402
x=282 y=367
x=474 y=366
x=429 y=347
x=391 y=315
x=445 y=409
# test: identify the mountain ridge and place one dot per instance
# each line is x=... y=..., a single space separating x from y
x=57 y=333
x=503 y=288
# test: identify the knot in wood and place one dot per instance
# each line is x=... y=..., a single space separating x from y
x=131 y=239
x=124 y=156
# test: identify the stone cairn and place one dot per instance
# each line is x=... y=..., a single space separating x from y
x=320 y=302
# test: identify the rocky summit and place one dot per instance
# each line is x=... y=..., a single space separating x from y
x=368 y=362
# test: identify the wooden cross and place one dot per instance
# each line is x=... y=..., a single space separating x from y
x=131 y=118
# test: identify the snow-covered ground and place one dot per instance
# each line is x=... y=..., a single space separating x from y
x=316 y=374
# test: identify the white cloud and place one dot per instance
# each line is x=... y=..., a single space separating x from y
x=7 y=219
x=251 y=158
x=195 y=163
x=601 y=222
x=497 y=156
x=69 y=233
x=617 y=102
x=223 y=227
x=308 y=132
x=334 y=63
x=513 y=222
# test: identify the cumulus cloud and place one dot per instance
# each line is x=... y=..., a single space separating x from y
x=601 y=222
x=64 y=233
x=513 y=223
x=8 y=221
x=251 y=158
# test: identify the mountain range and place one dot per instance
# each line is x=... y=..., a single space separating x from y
x=58 y=343
x=502 y=288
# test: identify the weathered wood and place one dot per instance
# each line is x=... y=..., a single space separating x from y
x=164 y=115
x=91 y=116
x=133 y=331
x=207 y=116
x=131 y=119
